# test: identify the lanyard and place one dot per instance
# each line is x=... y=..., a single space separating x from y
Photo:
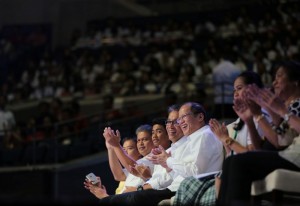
x=235 y=135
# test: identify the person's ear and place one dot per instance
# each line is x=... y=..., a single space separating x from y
x=201 y=116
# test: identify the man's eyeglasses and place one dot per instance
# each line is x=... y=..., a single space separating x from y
x=179 y=119
x=171 y=122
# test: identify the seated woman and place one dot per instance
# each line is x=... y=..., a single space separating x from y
x=239 y=171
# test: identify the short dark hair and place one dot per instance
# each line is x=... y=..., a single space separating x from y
x=128 y=139
x=173 y=107
x=251 y=77
x=159 y=120
x=144 y=128
x=292 y=69
x=197 y=108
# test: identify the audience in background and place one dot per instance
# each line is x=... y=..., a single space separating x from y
x=7 y=121
x=185 y=54
x=223 y=76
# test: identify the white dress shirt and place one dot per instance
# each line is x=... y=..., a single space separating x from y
x=242 y=136
x=202 y=153
x=161 y=179
x=134 y=181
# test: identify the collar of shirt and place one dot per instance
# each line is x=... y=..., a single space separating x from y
x=196 y=133
x=178 y=143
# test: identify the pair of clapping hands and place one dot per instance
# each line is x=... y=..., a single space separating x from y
x=255 y=98
x=159 y=156
x=141 y=170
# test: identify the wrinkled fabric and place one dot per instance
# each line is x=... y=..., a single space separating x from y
x=193 y=191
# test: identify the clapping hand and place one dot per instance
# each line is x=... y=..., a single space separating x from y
x=243 y=110
x=111 y=137
x=220 y=130
x=141 y=170
x=159 y=156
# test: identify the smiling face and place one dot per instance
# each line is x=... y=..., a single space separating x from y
x=281 y=84
x=188 y=121
x=130 y=147
x=173 y=128
x=160 y=136
x=239 y=87
x=144 y=143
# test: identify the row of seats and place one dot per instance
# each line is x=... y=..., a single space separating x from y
x=67 y=148
x=50 y=151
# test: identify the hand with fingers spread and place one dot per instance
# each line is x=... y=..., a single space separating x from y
x=251 y=92
x=242 y=109
x=266 y=99
x=272 y=101
x=160 y=157
x=263 y=97
x=220 y=130
x=255 y=109
x=112 y=137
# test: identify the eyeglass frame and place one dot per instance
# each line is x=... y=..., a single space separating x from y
x=172 y=122
x=179 y=119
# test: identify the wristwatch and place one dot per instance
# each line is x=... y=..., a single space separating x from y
x=228 y=141
x=140 y=188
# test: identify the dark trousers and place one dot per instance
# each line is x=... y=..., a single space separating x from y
x=240 y=170
x=144 y=197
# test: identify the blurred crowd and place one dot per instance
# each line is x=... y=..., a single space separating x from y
x=155 y=55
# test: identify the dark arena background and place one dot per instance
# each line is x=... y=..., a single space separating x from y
x=70 y=68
